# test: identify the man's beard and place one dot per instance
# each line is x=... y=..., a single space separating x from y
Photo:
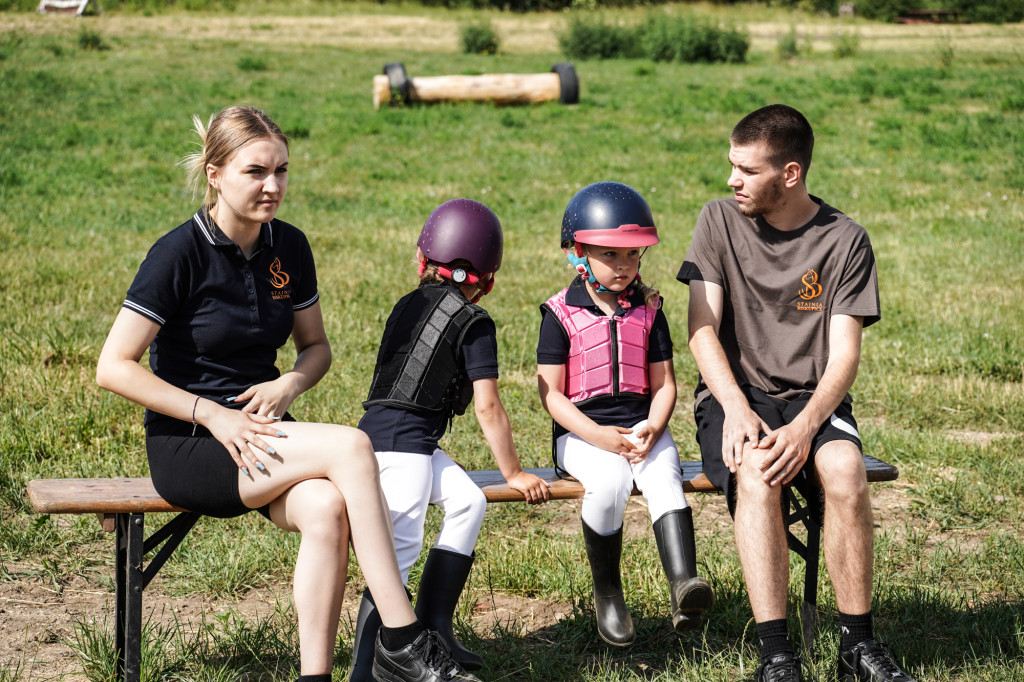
x=765 y=203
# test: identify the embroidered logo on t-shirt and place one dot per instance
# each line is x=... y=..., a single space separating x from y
x=810 y=290
x=279 y=278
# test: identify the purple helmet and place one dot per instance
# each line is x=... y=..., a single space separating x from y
x=466 y=229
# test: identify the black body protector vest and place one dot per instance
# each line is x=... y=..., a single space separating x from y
x=418 y=364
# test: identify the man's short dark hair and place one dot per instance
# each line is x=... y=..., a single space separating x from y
x=783 y=129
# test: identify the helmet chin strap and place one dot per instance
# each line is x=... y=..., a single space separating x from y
x=582 y=265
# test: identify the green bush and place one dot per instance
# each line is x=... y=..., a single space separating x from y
x=845 y=44
x=667 y=39
x=991 y=11
x=660 y=39
x=91 y=40
x=479 y=38
x=595 y=39
x=251 y=63
x=885 y=10
x=789 y=44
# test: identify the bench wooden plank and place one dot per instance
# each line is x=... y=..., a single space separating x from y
x=496 y=489
x=137 y=495
x=96 y=495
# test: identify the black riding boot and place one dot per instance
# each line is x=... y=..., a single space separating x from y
x=690 y=594
x=367 y=625
x=614 y=624
x=444 y=576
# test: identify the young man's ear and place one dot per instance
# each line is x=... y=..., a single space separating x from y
x=792 y=174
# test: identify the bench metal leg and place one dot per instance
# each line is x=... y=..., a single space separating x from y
x=128 y=631
x=131 y=578
x=120 y=561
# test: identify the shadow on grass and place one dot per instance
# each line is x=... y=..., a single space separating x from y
x=572 y=647
x=945 y=632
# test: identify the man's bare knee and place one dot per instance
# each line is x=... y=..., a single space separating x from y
x=841 y=472
x=750 y=484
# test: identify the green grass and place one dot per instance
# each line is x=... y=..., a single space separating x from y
x=925 y=147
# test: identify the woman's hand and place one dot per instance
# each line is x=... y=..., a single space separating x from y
x=270 y=399
x=240 y=433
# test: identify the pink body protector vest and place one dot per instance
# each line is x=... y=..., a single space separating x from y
x=607 y=355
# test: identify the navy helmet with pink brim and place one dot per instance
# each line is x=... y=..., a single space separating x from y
x=608 y=214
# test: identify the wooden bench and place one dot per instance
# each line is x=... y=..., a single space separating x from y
x=930 y=16
x=122 y=504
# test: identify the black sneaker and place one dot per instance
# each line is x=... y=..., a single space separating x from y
x=427 y=659
x=870 y=661
x=784 y=667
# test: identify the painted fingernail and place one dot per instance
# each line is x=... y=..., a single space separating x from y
x=259 y=465
x=271 y=451
x=281 y=434
x=245 y=471
x=232 y=398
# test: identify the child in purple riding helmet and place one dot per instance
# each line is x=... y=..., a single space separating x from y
x=438 y=353
x=604 y=368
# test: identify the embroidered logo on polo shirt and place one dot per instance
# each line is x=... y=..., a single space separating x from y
x=279 y=278
x=811 y=290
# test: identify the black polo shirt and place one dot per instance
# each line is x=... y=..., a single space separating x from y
x=222 y=317
x=553 y=349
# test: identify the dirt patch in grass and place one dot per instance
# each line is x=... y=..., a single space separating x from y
x=982 y=438
x=38 y=621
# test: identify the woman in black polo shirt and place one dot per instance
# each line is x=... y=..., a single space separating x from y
x=213 y=301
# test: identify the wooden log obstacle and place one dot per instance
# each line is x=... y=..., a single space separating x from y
x=394 y=87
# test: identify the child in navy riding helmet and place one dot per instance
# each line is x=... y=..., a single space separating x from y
x=439 y=353
x=604 y=366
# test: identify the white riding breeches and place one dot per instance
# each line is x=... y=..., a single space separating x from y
x=411 y=482
x=608 y=479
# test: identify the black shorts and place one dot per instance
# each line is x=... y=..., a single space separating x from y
x=776 y=413
x=195 y=472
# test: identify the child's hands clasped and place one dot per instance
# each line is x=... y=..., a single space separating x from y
x=613 y=439
x=533 y=488
x=643 y=440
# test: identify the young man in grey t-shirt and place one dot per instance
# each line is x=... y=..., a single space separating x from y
x=781 y=287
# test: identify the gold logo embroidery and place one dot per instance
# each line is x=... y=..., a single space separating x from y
x=278 y=277
x=811 y=287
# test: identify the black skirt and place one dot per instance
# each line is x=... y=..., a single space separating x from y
x=195 y=472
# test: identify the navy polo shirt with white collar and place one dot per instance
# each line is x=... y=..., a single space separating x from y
x=553 y=349
x=222 y=317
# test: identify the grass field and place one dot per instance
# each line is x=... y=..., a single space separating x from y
x=920 y=137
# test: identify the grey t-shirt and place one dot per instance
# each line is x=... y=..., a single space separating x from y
x=781 y=290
